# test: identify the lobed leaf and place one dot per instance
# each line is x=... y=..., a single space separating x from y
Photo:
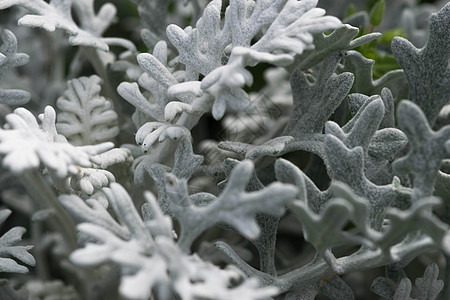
x=9 y=250
x=427 y=68
x=84 y=117
x=9 y=58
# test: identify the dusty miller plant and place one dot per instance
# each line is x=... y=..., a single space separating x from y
x=241 y=149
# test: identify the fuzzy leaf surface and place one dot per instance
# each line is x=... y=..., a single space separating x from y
x=84 y=117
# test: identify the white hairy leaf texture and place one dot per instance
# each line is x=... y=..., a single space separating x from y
x=9 y=58
x=26 y=144
x=243 y=149
x=84 y=117
x=10 y=253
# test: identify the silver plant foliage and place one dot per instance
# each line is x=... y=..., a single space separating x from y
x=9 y=58
x=8 y=248
x=242 y=149
x=85 y=117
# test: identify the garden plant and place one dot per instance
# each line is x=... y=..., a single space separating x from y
x=234 y=149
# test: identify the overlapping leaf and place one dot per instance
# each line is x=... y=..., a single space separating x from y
x=379 y=146
x=427 y=68
x=362 y=67
x=156 y=79
x=148 y=250
x=314 y=104
x=427 y=148
x=427 y=287
x=234 y=206
x=326 y=230
x=341 y=39
x=292 y=24
x=9 y=249
x=271 y=148
x=26 y=144
x=9 y=58
x=57 y=14
x=201 y=48
x=293 y=27
x=347 y=165
x=185 y=164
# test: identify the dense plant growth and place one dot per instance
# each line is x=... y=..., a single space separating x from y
x=241 y=149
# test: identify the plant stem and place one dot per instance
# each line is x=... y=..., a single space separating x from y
x=40 y=192
x=318 y=269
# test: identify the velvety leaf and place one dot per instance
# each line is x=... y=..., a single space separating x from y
x=362 y=68
x=426 y=147
x=234 y=206
x=403 y=290
x=427 y=68
x=314 y=104
x=9 y=58
x=347 y=165
x=384 y=287
x=428 y=286
x=292 y=29
x=341 y=39
x=57 y=14
x=34 y=143
x=84 y=117
x=270 y=148
x=336 y=289
x=9 y=249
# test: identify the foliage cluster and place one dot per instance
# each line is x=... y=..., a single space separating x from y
x=241 y=149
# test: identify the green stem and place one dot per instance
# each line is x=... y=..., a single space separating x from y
x=42 y=269
x=40 y=192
